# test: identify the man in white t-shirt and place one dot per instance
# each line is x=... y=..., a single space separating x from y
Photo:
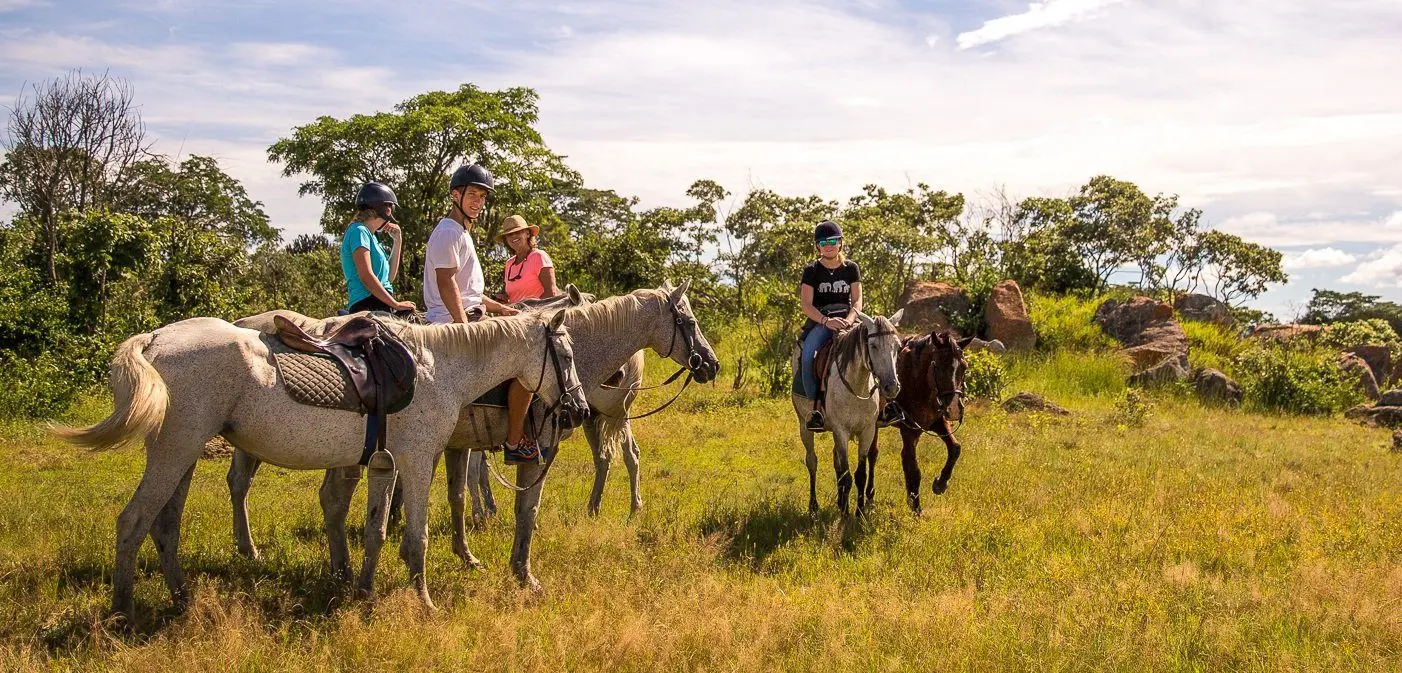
x=454 y=289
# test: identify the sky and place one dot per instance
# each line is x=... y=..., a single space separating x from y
x=1274 y=117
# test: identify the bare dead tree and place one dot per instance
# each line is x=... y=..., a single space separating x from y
x=70 y=142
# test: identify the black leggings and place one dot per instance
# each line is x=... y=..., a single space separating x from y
x=373 y=303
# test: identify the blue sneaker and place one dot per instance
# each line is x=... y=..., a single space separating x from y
x=525 y=453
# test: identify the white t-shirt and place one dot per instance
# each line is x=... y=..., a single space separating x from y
x=451 y=247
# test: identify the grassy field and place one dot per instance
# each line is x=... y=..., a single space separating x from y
x=1203 y=540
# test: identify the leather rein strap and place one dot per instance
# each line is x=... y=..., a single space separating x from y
x=866 y=349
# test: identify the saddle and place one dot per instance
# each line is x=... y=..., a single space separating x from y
x=821 y=361
x=380 y=368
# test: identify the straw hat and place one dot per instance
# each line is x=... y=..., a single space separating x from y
x=514 y=224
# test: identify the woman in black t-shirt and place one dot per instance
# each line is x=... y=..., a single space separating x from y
x=830 y=295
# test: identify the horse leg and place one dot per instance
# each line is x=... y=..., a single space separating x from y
x=871 y=468
x=527 y=507
x=240 y=478
x=165 y=533
x=488 y=508
x=418 y=477
x=865 y=475
x=455 y=462
x=631 y=456
x=337 y=487
x=810 y=459
x=396 y=507
x=601 y=465
x=168 y=463
x=910 y=465
x=952 y=450
x=380 y=477
x=841 y=469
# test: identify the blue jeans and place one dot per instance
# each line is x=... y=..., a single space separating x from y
x=817 y=336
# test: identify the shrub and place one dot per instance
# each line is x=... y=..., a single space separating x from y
x=986 y=376
x=1132 y=410
x=1068 y=374
x=1067 y=323
x=1213 y=346
x=1345 y=335
x=39 y=387
x=1296 y=379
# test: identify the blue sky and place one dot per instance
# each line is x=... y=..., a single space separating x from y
x=1280 y=119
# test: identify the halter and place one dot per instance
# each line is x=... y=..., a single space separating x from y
x=693 y=361
x=957 y=393
x=550 y=415
x=866 y=353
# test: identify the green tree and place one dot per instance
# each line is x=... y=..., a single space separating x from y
x=1239 y=270
x=1328 y=306
x=1114 y=224
x=414 y=148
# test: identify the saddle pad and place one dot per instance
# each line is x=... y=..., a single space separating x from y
x=314 y=379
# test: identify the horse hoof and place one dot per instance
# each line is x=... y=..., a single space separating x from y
x=250 y=553
x=531 y=584
x=473 y=563
x=939 y=487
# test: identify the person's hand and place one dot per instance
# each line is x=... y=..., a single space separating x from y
x=835 y=324
x=393 y=230
x=404 y=306
x=507 y=310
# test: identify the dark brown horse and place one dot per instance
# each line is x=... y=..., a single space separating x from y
x=931 y=368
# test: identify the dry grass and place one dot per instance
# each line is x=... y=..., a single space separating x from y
x=1205 y=540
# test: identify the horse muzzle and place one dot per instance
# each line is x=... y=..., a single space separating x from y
x=572 y=414
x=702 y=368
x=891 y=391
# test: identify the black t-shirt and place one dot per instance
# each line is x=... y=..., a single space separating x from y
x=832 y=288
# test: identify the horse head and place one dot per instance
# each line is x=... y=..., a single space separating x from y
x=686 y=345
x=883 y=347
x=945 y=368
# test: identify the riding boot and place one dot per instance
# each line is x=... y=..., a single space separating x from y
x=816 y=422
x=890 y=415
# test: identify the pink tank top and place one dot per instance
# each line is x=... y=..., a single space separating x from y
x=523 y=278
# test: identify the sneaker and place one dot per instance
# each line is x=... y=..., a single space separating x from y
x=890 y=414
x=524 y=453
x=815 y=422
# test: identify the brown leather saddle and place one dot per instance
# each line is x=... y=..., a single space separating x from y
x=377 y=363
x=821 y=361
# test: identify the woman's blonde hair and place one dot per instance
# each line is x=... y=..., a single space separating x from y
x=365 y=214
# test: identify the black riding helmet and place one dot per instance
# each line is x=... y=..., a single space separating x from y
x=377 y=197
x=827 y=229
x=472 y=174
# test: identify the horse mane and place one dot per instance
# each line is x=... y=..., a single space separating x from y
x=618 y=314
x=470 y=339
x=847 y=345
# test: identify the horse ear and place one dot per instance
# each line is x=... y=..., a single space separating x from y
x=896 y=318
x=964 y=343
x=667 y=285
x=865 y=319
x=575 y=297
x=681 y=289
x=557 y=319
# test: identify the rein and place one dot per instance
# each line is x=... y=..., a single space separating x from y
x=693 y=361
x=866 y=349
x=549 y=415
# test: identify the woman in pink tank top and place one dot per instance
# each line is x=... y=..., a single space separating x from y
x=529 y=272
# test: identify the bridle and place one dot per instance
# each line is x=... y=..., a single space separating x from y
x=551 y=414
x=940 y=398
x=694 y=361
x=866 y=353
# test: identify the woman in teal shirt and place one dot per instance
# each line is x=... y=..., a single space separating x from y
x=369 y=272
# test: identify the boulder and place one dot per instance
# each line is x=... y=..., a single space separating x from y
x=1397 y=440
x=1215 y=386
x=1287 y=332
x=980 y=345
x=1167 y=370
x=1378 y=356
x=1032 y=402
x=1007 y=319
x=1357 y=412
x=1149 y=332
x=1390 y=417
x=1391 y=398
x=930 y=305
x=1203 y=308
x=1355 y=366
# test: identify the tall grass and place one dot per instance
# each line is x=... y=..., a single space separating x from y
x=1201 y=539
x=1212 y=346
x=1067 y=323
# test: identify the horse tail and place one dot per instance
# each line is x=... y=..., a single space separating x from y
x=610 y=433
x=140 y=400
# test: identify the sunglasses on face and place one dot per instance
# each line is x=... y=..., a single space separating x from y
x=830 y=241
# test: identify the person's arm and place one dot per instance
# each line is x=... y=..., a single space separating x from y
x=448 y=290
x=396 y=235
x=361 y=257
x=805 y=299
x=856 y=301
x=497 y=308
x=547 y=281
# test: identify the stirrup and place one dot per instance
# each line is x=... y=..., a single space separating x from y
x=821 y=422
x=890 y=415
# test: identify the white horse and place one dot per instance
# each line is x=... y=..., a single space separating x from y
x=607 y=336
x=863 y=362
x=182 y=384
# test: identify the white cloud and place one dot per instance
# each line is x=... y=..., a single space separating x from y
x=11 y=5
x=1383 y=271
x=1318 y=258
x=1038 y=15
x=1266 y=228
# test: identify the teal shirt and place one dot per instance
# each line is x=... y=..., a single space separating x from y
x=358 y=236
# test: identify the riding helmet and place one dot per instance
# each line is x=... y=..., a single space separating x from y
x=827 y=229
x=472 y=174
x=378 y=197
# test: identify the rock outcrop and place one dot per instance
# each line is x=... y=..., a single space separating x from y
x=1007 y=319
x=930 y=306
x=1214 y=386
x=1149 y=332
x=1286 y=332
x=1032 y=402
x=1358 y=368
x=1203 y=308
x=1379 y=359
